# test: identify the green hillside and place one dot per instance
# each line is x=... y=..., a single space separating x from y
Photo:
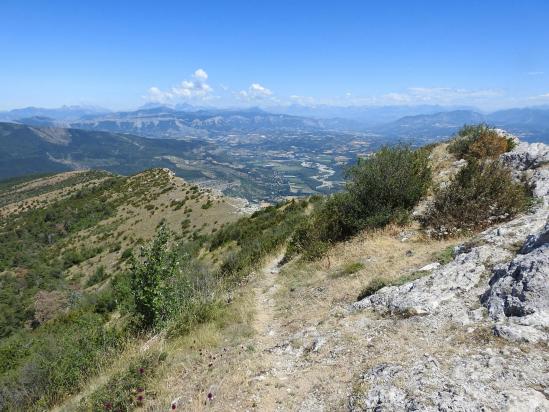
x=27 y=150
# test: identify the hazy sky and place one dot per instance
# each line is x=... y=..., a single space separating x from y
x=122 y=54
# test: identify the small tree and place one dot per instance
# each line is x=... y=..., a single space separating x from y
x=150 y=279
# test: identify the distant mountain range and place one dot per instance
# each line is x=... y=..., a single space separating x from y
x=27 y=150
x=531 y=124
x=419 y=123
x=163 y=122
x=367 y=116
x=64 y=113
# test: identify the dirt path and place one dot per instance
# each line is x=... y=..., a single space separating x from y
x=271 y=375
x=292 y=370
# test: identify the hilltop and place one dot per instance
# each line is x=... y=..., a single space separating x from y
x=422 y=285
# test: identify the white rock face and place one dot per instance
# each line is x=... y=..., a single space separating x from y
x=489 y=287
x=527 y=156
x=518 y=297
x=430 y=266
x=466 y=384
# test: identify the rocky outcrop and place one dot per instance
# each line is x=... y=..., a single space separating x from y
x=482 y=382
x=447 y=289
x=527 y=156
x=497 y=284
x=518 y=297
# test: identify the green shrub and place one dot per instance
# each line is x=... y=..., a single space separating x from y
x=150 y=278
x=445 y=256
x=378 y=283
x=481 y=194
x=373 y=286
x=115 y=247
x=126 y=254
x=380 y=189
x=98 y=276
x=481 y=142
x=207 y=205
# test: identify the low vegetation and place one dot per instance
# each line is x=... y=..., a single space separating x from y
x=43 y=366
x=348 y=269
x=256 y=237
x=127 y=389
x=480 y=142
x=66 y=303
x=481 y=194
x=381 y=189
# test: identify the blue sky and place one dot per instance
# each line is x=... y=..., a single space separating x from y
x=121 y=54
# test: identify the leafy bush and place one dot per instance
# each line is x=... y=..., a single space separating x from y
x=380 y=189
x=150 y=278
x=481 y=194
x=480 y=142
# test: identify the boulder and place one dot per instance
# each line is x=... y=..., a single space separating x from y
x=526 y=156
x=518 y=296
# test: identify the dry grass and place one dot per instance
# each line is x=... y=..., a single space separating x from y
x=383 y=254
x=209 y=360
x=442 y=164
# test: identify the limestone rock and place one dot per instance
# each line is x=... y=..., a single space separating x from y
x=526 y=156
x=518 y=297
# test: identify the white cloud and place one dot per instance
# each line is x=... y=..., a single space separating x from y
x=200 y=74
x=197 y=87
x=259 y=90
x=449 y=95
x=535 y=73
x=255 y=91
x=194 y=88
x=397 y=97
x=418 y=95
x=158 y=96
x=303 y=100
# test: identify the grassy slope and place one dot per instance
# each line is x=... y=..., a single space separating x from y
x=42 y=276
